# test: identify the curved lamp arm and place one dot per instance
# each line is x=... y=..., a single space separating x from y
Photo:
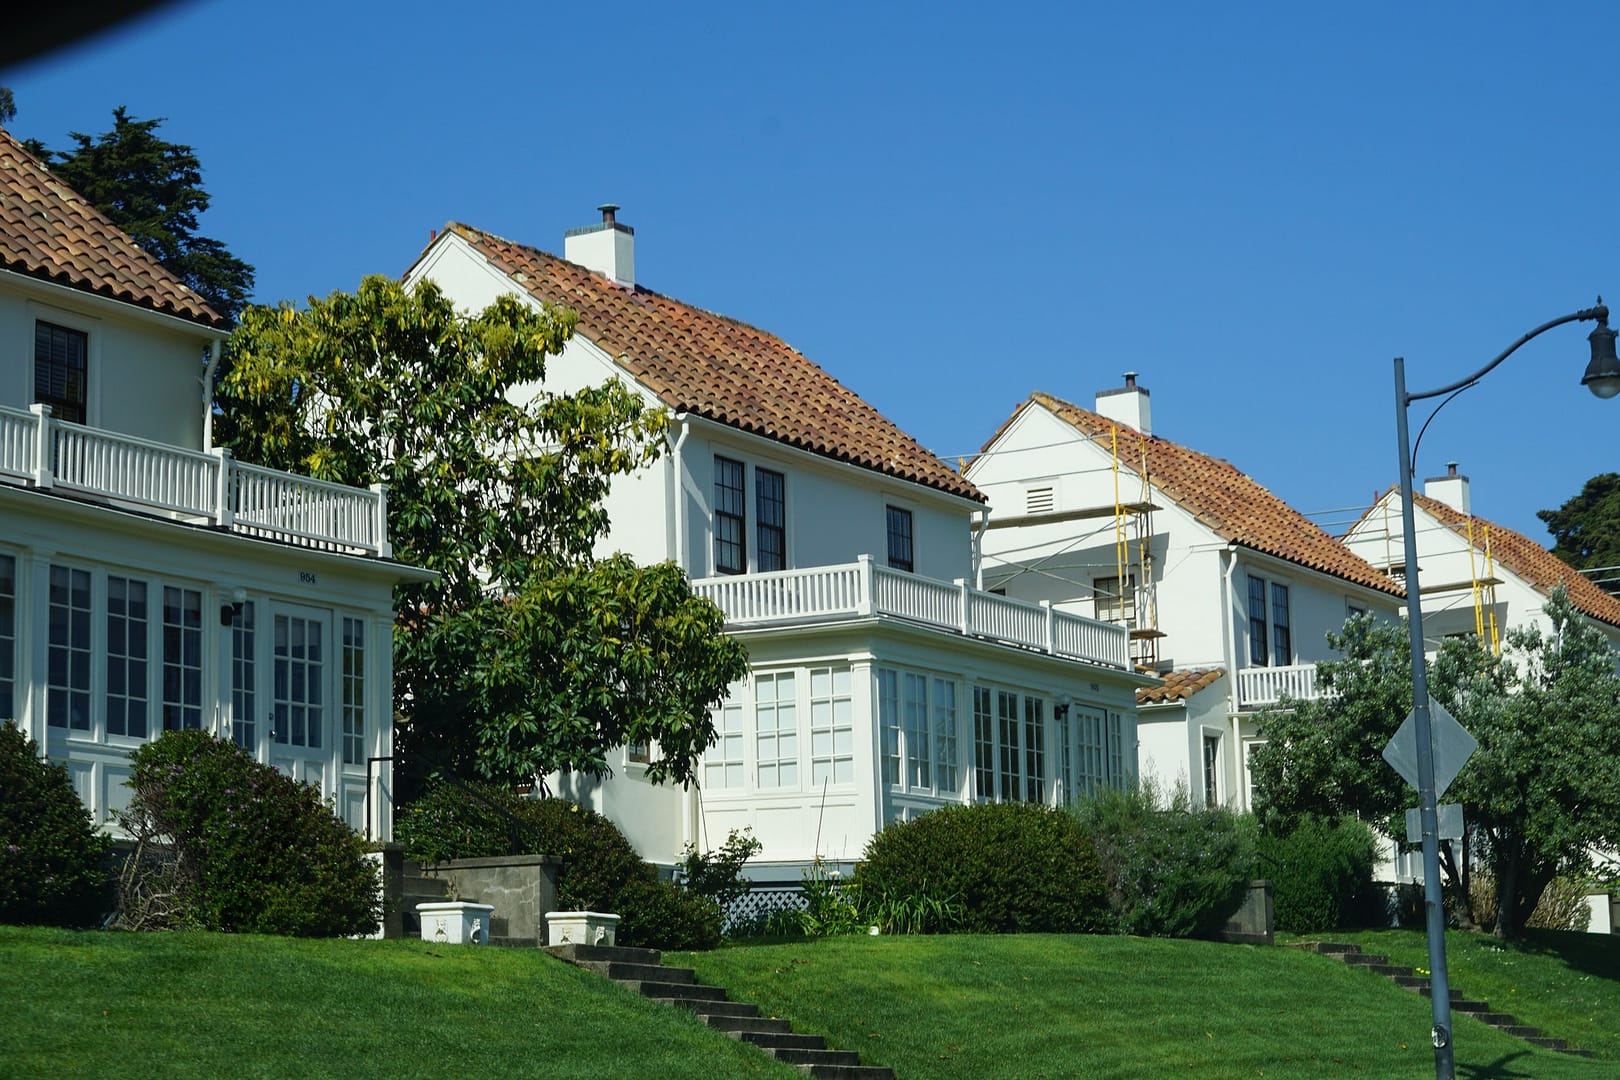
x=1599 y=312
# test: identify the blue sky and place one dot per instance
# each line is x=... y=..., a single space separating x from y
x=1256 y=206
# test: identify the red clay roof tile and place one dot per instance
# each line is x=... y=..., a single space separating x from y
x=721 y=369
x=1179 y=686
x=47 y=231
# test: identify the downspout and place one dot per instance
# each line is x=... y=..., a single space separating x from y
x=678 y=488
x=978 y=547
x=1229 y=648
x=215 y=348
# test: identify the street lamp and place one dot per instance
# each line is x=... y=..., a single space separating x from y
x=1603 y=378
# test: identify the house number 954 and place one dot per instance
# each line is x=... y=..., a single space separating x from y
x=306 y=577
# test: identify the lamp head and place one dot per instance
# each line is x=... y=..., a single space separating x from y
x=1603 y=373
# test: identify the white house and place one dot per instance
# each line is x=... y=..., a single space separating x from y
x=1221 y=585
x=883 y=684
x=1477 y=578
x=147 y=582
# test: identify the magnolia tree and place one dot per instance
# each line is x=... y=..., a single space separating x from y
x=527 y=653
x=1539 y=796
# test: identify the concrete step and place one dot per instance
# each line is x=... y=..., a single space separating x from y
x=619 y=953
x=774 y=1040
x=848 y=1072
x=1529 y=1034
x=620 y=971
x=1390 y=970
x=1359 y=959
x=710 y=1007
x=666 y=990
x=816 y=1057
x=740 y=1024
x=1576 y=1051
x=1469 y=1008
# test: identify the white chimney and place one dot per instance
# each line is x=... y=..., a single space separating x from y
x=1127 y=405
x=608 y=248
x=1450 y=489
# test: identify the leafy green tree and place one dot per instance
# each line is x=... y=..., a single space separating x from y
x=152 y=189
x=1538 y=796
x=1587 y=528
x=527 y=653
x=8 y=105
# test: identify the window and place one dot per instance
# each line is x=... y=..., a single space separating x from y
x=1093 y=775
x=1034 y=750
x=244 y=689
x=354 y=692
x=126 y=657
x=182 y=660
x=918 y=752
x=832 y=727
x=730 y=550
x=945 y=736
x=1113 y=604
x=1007 y=729
x=900 y=553
x=984 y=744
x=1354 y=611
x=60 y=370
x=8 y=636
x=1282 y=643
x=770 y=520
x=299 y=711
x=67 y=683
x=1064 y=772
x=723 y=763
x=1009 y=745
x=1212 y=760
x=888 y=694
x=1258 y=656
x=776 y=727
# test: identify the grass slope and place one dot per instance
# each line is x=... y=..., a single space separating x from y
x=1034 y=1006
x=210 y=1005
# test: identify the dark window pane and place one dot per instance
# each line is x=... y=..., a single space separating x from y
x=900 y=549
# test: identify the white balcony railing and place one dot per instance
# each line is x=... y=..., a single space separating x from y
x=1261 y=686
x=210 y=488
x=863 y=588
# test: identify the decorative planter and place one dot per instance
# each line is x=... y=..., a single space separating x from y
x=581 y=928
x=455 y=922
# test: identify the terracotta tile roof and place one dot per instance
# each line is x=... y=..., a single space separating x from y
x=1526 y=558
x=698 y=362
x=1228 y=502
x=47 y=231
x=1179 y=686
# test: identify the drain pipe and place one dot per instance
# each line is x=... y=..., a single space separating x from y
x=370 y=761
x=215 y=348
x=678 y=489
x=978 y=547
x=1228 y=639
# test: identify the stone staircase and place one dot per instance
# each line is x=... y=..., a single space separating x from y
x=1408 y=979
x=642 y=971
x=417 y=888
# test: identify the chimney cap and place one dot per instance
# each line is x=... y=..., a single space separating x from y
x=608 y=210
x=1130 y=379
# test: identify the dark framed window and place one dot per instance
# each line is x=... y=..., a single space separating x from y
x=730 y=547
x=127 y=621
x=900 y=549
x=1282 y=641
x=1212 y=759
x=1257 y=623
x=8 y=634
x=770 y=520
x=60 y=369
x=182 y=659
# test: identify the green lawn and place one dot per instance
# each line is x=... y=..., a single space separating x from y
x=183 y=1005
x=1565 y=983
x=1032 y=1006
x=213 y=1005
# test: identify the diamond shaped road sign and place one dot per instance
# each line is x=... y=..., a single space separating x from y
x=1452 y=747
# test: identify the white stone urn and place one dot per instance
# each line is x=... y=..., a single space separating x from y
x=581 y=928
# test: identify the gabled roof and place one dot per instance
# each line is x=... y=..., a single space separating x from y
x=47 y=231
x=1179 y=686
x=718 y=368
x=1538 y=567
x=1229 y=503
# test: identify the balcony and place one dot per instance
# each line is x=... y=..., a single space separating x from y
x=1262 y=686
x=186 y=485
x=865 y=590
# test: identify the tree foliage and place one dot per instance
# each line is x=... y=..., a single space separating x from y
x=152 y=189
x=1540 y=793
x=528 y=653
x=1587 y=528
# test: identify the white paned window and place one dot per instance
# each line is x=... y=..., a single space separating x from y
x=1212 y=763
x=888 y=692
x=182 y=659
x=1007 y=731
x=8 y=637
x=67 y=683
x=984 y=744
x=1034 y=750
x=915 y=712
x=354 y=692
x=832 y=727
x=1092 y=725
x=776 y=730
x=1064 y=755
x=945 y=735
x=127 y=661
x=299 y=710
x=1116 y=753
x=723 y=765
x=244 y=682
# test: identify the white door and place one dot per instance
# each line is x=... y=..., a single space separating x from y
x=301 y=734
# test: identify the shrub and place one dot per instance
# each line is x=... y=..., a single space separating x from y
x=1561 y=907
x=718 y=874
x=1172 y=869
x=253 y=851
x=598 y=869
x=1013 y=868
x=53 y=862
x=1322 y=875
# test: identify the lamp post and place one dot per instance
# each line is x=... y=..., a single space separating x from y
x=1603 y=379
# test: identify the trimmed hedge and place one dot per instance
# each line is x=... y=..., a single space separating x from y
x=1322 y=875
x=1015 y=868
x=250 y=849
x=53 y=862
